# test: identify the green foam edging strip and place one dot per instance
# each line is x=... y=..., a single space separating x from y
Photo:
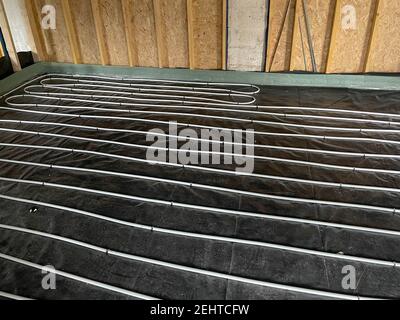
x=362 y=82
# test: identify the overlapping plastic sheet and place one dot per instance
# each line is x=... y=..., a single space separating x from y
x=77 y=193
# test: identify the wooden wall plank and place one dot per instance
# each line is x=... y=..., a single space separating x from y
x=84 y=26
x=37 y=35
x=5 y=27
x=205 y=33
x=336 y=27
x=224 y=33
x=174 y=35
x=320 y=13
x=145 y=33
x=129 y=32
x=72 y=35
x=160 y=35
x=350 y=46
x=280 y=35
x=298 y=35
x=193 y=33
x=371 y=35
x=100 y=32
x=110 y=30
x=141 y=33
x=56 y=40
x=385 y=46
x=112 y=18
x=190 y=34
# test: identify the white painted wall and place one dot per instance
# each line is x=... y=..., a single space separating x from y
x=247 y=29
x=19 y=24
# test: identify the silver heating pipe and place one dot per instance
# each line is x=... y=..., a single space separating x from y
x=261 y=146
x=311 y=222
x=135 y=111
x=203 y=186
x=45 y=95
x=392 y=211
x=13 y=296
x=78 y=278
x=219 y=275
x=306 y=163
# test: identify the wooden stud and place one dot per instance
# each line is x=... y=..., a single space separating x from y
x=320 y=19
x=33 y=17
x=173 y=47
x=192 y=59
x=371 y=39
x=104 y=54
x=205 y=34
x=5 y=27
x=335 y=31
x=295 y=2
x=72 y=35
x=160 y=35
x=286 y=20
x=224 y=33
x=268 y=67
x=130 y=35
x=296 y=32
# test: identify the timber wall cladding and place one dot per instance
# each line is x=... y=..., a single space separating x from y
x=280 y=35
x=384 y=51
x=321 y=13
x=349 y=48
x=205 y=33
x=288 y=48
x=371 y=45
x=145 y=33
x=56 y=41
x=193 y=34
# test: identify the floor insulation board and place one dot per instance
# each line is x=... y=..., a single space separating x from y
x=77 y=192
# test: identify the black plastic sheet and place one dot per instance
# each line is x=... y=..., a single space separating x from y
x=280 y=266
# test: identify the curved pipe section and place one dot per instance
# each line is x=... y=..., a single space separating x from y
x=120 y=104
x=223 y=108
